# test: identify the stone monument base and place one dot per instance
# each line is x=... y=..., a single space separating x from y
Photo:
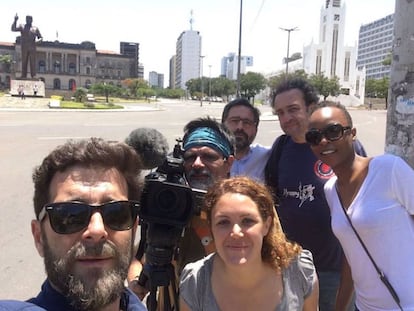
x=31 y=88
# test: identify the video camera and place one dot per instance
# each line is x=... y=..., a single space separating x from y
x=167 y=206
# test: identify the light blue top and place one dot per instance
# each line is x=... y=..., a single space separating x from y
x=252 y=164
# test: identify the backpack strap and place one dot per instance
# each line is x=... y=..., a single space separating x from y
x=272 y=165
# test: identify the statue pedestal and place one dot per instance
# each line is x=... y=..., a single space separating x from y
x=31 y=88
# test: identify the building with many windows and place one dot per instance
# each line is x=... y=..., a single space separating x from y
x=172 y=67
x=66 y=66
x=187 y=58
x=229 y=65
x=156 y=79
x=374 y=46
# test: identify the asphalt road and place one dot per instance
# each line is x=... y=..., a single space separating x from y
x=26 y=136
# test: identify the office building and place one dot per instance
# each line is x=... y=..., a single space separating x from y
x=172 y=66
x=229 y=65
x=187 y=58
x=374 y=46
x=156 y=79
x=131 y=49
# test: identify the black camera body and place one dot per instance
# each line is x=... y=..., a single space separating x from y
x=167 y=205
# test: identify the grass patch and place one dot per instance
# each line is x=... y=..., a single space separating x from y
x=76 y=105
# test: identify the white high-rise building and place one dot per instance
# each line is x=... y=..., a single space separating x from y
x=375 y=45
x=229 y=65
x=188 y=58
x=330 y=56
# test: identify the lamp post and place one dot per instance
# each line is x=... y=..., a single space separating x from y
x=239 y=53
x=288 y=42
x=201 y=79
x=209 y=84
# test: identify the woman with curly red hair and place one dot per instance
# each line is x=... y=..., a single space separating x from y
x=255 y=266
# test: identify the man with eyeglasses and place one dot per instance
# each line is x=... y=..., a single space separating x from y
x=242 y=119
x=86 y=204
x=297 y=178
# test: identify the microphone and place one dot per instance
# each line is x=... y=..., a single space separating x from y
x=150 y=144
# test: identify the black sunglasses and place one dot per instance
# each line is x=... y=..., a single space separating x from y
x=332 y=132
x=71 y=217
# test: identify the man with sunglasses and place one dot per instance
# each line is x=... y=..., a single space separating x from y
x=297 y=178
x=85 y=202
x=242 y=119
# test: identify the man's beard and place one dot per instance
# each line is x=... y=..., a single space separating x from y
x=95 y=289
x=197 y=183
x=242 y=140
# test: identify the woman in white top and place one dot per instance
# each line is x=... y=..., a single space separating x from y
x=254 y=267
x=377 y=195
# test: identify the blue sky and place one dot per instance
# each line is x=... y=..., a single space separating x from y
x=156 y=25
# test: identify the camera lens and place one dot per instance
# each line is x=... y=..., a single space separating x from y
x=167 y=200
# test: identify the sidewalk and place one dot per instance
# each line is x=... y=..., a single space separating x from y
x=8 y=102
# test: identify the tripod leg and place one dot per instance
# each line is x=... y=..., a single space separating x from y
x=152 y=300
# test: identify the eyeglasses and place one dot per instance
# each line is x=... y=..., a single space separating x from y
x=245 y=122
x=204 y=157
x=332 y=132
x=71 y=217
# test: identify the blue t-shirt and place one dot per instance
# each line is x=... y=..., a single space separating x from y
x=252 y=164
x=52 y=300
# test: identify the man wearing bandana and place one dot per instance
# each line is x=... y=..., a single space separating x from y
x=208 y=153
x=208 y=156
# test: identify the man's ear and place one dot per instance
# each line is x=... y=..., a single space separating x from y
x=37 y=236
x=353 y=133
x=230 y=160
x=311 y=107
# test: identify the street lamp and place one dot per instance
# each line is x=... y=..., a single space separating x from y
x=201 y=79
x=209 y=84
x=288 y=42
x=239 y=53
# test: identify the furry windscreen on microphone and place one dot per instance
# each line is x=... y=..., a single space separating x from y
x=150 y=144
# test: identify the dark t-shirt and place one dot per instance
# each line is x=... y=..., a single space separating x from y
x=303 y=210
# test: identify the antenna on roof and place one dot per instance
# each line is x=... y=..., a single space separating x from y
x=191 y=20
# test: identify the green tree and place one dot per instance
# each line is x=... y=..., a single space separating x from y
x=371 y=88
x=134 y=85
x=171 y=93
x=193 y=86
x=378 y=88
x=251 y=83
x=223 y=87
x=80 y=94
x=325 y=86
x=382 y=89
x=5 y=61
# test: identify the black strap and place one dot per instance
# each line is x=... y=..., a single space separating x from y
x=381 y=274
x=272 y=165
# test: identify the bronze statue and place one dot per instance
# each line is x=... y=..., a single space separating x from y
x=29 y=33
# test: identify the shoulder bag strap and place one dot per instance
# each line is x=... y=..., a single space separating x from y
x=381 y=274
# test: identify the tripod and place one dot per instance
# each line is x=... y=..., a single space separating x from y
x=158 y=273
x=160 y=280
